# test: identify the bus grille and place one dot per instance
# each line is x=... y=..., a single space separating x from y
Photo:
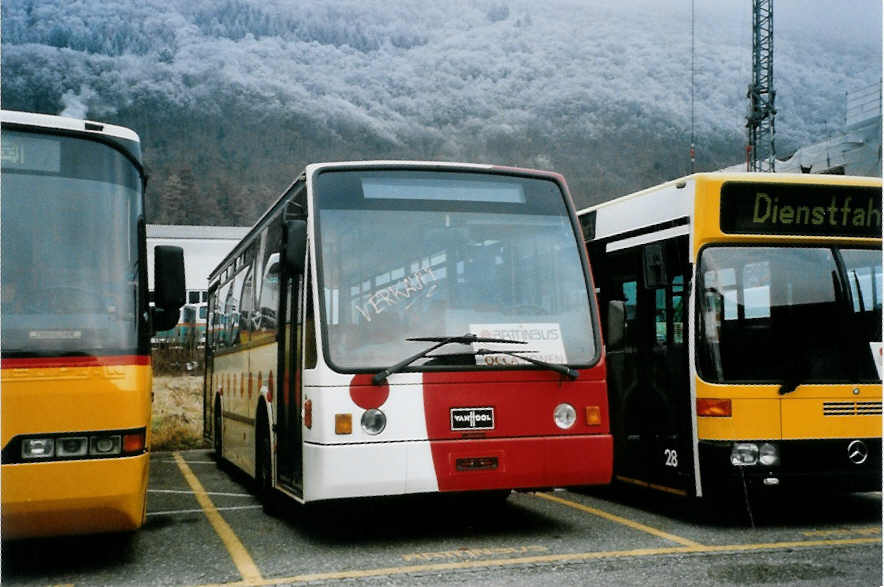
x=851 y=408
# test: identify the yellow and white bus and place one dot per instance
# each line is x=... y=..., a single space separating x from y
x=76 y=326
x=742 y=315
x=439 y=334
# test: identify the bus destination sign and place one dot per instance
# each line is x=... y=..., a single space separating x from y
x=796 y=209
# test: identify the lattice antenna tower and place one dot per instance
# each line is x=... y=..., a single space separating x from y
x=761 y=152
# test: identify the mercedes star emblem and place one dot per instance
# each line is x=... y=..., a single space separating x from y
x=857 y=452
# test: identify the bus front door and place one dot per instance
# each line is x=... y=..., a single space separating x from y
x=648 y=373
x=288 y=424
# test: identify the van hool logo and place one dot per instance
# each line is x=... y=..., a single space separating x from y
x=472 y=418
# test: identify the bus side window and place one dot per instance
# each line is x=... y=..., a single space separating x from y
x=231 y=315
x=247 y=294
x=211 y=322
x=630 y=298
x=660 y=316
x=268 y=302
x=669 y=312
x=678 y=309
x=221 y=315
x=247 y=303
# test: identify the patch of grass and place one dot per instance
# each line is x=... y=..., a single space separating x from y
x=177 y=420
x=173 y=432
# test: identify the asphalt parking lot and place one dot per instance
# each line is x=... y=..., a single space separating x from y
x=204 y=527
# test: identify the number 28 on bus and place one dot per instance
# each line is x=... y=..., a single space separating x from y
x=390 y=328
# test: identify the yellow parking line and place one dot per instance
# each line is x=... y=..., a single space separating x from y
x=789 y=544
x=241 y=558
x=620 y=520
x=550 y=558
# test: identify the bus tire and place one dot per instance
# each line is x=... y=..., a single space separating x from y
x=216 y=434
x=264 y=468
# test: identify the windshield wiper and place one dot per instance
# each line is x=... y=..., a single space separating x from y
x=440 y=342
x=795 y=370
x=558 y=368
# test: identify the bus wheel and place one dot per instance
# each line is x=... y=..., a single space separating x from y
x=219 y=458
x=264 y=470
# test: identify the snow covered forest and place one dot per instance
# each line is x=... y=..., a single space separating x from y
x=233 y=97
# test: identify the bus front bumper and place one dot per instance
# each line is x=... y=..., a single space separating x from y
x=825 y=465
x=73 y=497
x=358 y=470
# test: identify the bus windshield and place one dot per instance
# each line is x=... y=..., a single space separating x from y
x=406 y=253
x=769 y=314
x=69 y=272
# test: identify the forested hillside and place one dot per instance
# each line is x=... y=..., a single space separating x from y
x=233 y=97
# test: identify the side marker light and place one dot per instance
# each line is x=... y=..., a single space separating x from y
x=593 y=416
x=714 y=408
x=343 y=423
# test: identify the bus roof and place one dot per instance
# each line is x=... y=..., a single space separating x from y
x=429 y=165
x=65 y=123
x=663 y=206
x=736 y=176
x=120 y=137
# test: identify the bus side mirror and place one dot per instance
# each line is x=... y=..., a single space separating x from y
x=616 y=325
x=295 y=245
x=168 y=273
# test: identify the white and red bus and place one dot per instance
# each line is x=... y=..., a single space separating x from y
x=401 y=327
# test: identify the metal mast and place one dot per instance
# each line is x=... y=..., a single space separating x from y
x=693 y=153
x=760 y=153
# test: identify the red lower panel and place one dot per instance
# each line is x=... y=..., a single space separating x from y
x=523 y=463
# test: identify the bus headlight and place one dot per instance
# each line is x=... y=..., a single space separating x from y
x=374 y=421
x=744 y=454
x=37 y=448
x=104 y=445
x=72 y=446
x=564 y=415
x=768 y=455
